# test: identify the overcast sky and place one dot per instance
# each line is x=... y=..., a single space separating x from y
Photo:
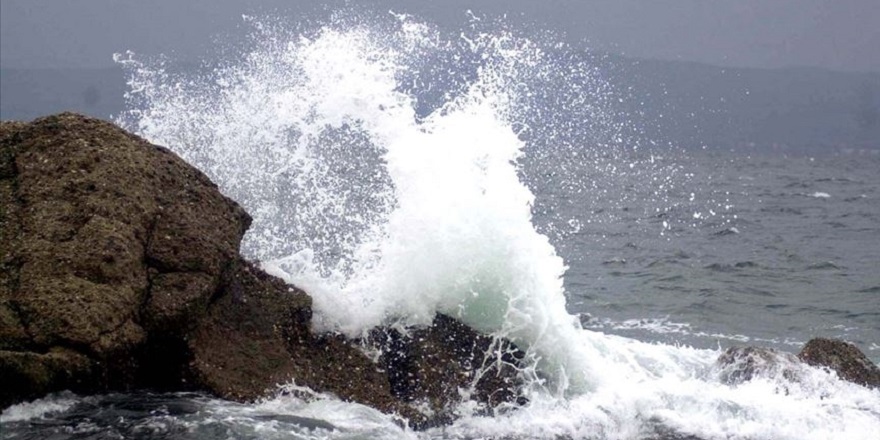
x=832 y=34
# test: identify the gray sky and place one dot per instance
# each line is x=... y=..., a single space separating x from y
x=832 y=34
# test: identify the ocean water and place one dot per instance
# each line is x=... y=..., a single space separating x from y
x=395 y=171
x=793 y=257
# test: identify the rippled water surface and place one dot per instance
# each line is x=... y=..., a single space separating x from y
x=772 y=251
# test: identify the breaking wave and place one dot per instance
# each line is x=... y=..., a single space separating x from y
x=383 y=162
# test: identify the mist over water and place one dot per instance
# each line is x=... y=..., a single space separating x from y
x=390 y=171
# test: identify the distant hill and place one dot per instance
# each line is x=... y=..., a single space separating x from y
x=680 y=103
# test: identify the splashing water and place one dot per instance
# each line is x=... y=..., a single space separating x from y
x=381 y=161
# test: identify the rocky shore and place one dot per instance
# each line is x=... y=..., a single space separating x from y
x=120 y=270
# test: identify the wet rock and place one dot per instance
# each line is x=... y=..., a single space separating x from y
x=119 y=270
x=843 y=358
x=439 y=366
x=28 y=374
x=742 y=364
x=95 y=221
x=256 y=336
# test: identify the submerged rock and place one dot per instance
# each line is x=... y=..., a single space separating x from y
x=742 y=364
x=843 y=358
x=119 y=270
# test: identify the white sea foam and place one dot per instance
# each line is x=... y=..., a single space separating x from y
x=38 y=408
x=668 y=327
x=385 y=213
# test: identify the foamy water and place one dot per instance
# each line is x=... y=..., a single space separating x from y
x=389 y=200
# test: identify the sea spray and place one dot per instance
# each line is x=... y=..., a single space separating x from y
x=440 y=222
x=389 y=189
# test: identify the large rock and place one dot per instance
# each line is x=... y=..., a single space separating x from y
x=108 y=242
x=843 y=358
x=119 y=269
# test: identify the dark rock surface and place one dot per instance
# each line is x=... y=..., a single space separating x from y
x=110 y=246
x=119 y=270
x=255 y=337
x=439 y=364
x=96 y=224
x=842 y=357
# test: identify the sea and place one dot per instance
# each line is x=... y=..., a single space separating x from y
x=395 y=170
